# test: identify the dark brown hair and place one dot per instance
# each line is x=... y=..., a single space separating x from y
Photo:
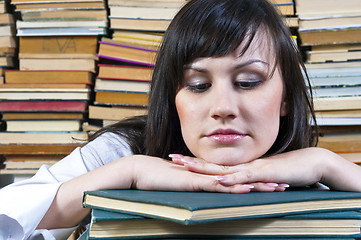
x=206 y=28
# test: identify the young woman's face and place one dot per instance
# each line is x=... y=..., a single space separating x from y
x=229 y=107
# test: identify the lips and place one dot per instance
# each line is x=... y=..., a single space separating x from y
x=226 y=136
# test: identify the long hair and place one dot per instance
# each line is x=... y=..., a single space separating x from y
x=207 y=28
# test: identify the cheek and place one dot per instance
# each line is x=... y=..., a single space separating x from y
x=185 y=112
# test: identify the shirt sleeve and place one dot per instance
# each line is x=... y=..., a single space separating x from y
x=23 y=204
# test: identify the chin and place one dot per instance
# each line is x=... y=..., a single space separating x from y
x=228 y=159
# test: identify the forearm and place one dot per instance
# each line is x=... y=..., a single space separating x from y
x=341 y=174
x=66 y=209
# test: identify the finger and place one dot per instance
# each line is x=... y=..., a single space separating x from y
x=200 y=166
x=264 y=187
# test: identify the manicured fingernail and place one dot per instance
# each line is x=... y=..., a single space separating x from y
x=248 y=185
x=176 y=156
x=272 y=184
x=187 y=160
x=285 y=185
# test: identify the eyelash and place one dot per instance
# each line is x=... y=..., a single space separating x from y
x=246 y=85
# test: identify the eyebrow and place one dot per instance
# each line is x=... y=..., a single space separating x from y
x=238 y=66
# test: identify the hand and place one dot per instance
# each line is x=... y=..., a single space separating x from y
x=151 y=173
x=201 y=166
x=301 y=167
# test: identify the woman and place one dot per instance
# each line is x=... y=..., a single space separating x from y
x=228 y=105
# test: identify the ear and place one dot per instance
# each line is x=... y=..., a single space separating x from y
x=284 y=108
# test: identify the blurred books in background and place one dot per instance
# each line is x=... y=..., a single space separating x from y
x=330 y=33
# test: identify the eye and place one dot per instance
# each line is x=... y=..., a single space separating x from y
x=248 y=80
x=247 y=84
x=199 y=87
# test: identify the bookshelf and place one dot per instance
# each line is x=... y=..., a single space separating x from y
x=77 y=49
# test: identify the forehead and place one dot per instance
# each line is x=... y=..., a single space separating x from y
x=261 y=46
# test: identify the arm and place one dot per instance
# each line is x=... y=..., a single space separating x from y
x=297 y=168
x=137 y=171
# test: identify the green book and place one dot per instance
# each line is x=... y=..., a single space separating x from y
x=113 y=225
x=198 y=207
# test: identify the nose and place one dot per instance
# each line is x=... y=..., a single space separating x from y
x=224 y=103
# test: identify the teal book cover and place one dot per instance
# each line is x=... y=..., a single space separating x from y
x=113 y=225
x=198 y=207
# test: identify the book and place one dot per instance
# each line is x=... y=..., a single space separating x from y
x=337 y=103
x=197 y=207
x=335 y=81
x=62 y=31
x=285 y=9
x=65 y=15
x=42 y=137
x=121 y=98
x=7 y=61
x=40 y=115
x=7 y=41
x=339 y=36
x=44 y=94
x=335 y=69
x=331 y=22
x=341 y=142
x=138 y=12
x=342 y=91
x=35 y=148
x=148 y=3
x=115 y=113
x=25 y=165
x=134 y=42
x=6 y=19
x=149 y=36
x=57 y=24
x=55 y=76
x=43 y=125
x=58 y=44
x=42 y=106
x=339 y=113
x=60 y=5
x=56 y=64
x=319 y=8
x=125 y=72
x=126 y=53
x=333 y=56
x=30 y=161
x=353 y=157
x=345 y=121
x=110 y=225
x=7 y=30
x=121 y=85
x=46 y=85
x=138 y=24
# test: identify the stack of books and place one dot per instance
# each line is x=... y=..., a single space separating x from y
x=135 y=214
x=54 y=17
x=330 y=34
x=123 y=82
x=143 y=15
x=128 y=56
x=8 y=45
x=43 y=112
x=44 y=103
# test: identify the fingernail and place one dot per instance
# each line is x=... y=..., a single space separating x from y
x=272 y=184
x=248 y=185
x=285 y=185
x=187 y=160
x=175 y=156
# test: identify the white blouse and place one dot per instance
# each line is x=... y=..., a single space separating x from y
x=23 y=204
